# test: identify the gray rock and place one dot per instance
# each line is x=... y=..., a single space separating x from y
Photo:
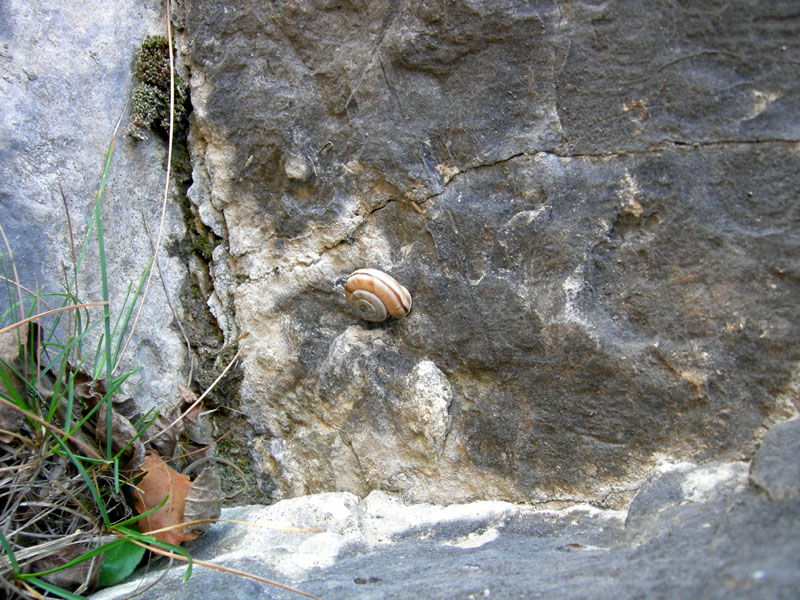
x=690 y=532
x=593 y=206
x=776 y=467
x=66 y=76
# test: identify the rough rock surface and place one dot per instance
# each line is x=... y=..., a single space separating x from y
x=594 y=207
x=776 y=468
x=690 y=532
x=66 y=76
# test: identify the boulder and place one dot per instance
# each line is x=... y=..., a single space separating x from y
x=67 y=79
x=592 y=205
x=690 y=532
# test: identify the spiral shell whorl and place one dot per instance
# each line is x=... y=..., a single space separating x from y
x=368 y=306
x=375 y=295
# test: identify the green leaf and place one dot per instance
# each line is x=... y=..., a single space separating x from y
x=119 y=562
x=148 y=539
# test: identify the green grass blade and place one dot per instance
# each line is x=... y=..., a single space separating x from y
x=54 y=589
x=101 y=248
x=57 y=394
x=11 y=390
x=99 y=358
x=87 y=480
x=115 y=329
x=115 y=332
x=123 y=525
x=107 y=327
x=83 y=557
x=10 y=553
x=121 y=334
x=70 y=400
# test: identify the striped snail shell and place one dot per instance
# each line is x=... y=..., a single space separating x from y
x=375 y=295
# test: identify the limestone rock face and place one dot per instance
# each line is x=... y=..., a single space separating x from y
x=66 y=76
x=593 y=206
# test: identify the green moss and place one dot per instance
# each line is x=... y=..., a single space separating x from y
x=151 y=94
x=148 y=104
x=200 y=240
x=182 y=164
x=204 y=245
x=152 y=64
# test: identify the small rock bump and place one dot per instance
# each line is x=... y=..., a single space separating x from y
x=297 y=169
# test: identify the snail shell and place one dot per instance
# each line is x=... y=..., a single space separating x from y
x=375 y=295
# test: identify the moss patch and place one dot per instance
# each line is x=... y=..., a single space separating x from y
x=152 y=92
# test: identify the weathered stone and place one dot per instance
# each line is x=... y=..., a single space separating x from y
x=690 y=532
x=776 y=468
x=593 y=207
x=66 y=77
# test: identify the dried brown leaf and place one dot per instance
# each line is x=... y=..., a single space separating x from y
x=84 y=573
x=185 y=399
x=160 y=481
x=204 y=500
x=166 y=443
x=10 y=419
x=122 y=433
x=87 y=388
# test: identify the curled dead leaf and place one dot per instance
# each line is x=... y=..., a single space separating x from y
x=79 y=577
x=165 y=440
x=87 y=388
x=10 y=419
x=204 y=500
x=160 y=481
x=197 y=424
x=122 y=434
